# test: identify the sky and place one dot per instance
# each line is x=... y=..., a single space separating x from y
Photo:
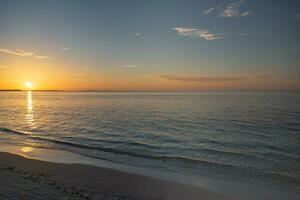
x=150 y=45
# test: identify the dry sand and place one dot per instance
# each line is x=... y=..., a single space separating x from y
x=24 y=178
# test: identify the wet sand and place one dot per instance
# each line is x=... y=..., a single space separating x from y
x=24 y=178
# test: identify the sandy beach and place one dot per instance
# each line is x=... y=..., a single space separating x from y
x=24 y=178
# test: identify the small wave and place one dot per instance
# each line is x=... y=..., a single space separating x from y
x=183 y=159
x=13 y=131
x=113 y=150
x=171 y=158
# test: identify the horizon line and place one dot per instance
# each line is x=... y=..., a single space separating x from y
x=21 y=90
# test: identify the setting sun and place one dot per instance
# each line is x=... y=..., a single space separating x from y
x=28 y=84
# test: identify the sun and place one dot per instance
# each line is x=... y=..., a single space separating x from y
x=29 y=85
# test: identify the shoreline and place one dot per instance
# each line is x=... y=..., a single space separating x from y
x=70 y=157
x=81 y=181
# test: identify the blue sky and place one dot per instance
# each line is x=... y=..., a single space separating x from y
x=186 y=44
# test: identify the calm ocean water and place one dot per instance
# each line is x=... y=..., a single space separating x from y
x=245 y=137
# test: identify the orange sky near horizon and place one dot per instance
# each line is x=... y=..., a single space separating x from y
x=49 y=78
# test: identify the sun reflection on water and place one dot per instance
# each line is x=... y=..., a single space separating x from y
x=30 y=112
x=27 y=149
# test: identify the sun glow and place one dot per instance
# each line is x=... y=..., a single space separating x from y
x=29 y=85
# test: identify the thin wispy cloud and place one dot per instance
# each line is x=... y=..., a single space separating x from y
x=23 y=53
x=130 y=66
x=17 y=52
x=228 y=11
x=185 y=78
x=233 y=10
x=208 y=11
x=41 y=57
x=137 y=34
x=75 y=74
x=198 y=33
x=65 y=48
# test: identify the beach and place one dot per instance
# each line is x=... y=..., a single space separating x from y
x=24 y=178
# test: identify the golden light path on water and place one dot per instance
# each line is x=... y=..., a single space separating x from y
x=30 y=112
x=27 y=149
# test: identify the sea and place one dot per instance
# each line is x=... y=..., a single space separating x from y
x=242 y=144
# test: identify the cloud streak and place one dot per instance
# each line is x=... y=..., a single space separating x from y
x=208 y=11
x=137 y=34
x=23 y=53
x=198 y=33
x=229 y=11
x=41 y=57
x=212 y=78
x=17 y=52
x=130 y=66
